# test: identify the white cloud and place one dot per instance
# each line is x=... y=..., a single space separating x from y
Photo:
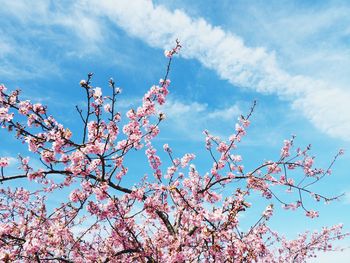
x=323 y=104
x=192 y=118
x=227 y=114
x=30 y=31
x=44 y=14
x=187 y=119
x=312 y=40
x=180 y=109
x=334 y=256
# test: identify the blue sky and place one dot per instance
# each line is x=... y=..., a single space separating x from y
x=293 y=57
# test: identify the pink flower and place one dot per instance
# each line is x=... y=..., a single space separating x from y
x=240 y=129
x=107 y=107
x=168 y=53
x=138 y=193
x=268 y=211
x=274 y=168
x=312 y=214
x=101 y=191
x=38 y=108
x=98 y=98
x=24 y=107
x=153 y=159
x=48 y=156
x=236 y=158
x=33 y=144
x=186 y=159
x=2 y=88
x=83 y=83
x=74 y=196
x=223 y=147
x=34 y=175
x=97 y=93
x=102 y=215
x=4 y=161
x=176 y=49
x=166 y=148
x=286 y=148
x=4 y=115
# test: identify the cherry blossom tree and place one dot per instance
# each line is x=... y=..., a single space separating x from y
x=175 y=214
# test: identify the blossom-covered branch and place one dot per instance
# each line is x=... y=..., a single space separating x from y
x=175 y=215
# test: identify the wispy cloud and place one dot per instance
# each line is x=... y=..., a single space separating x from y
x=334 y=256
x=322 y=103
x=47 y=15
x=312 y=39
x=86 y=29
x=192 y=118
x=33 y=33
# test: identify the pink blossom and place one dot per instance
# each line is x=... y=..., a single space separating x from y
x=2 y=88
x=166 y=148
x=274 y=168
x=35 y=175
x=48 y=156
x=186 y=159
x=5 y=115
x=76 y=196
x=83 y=83
x=236 y=158
x=240 y=129
x=123 y=171
x=24 y=107
x=138 y=194
x=101 y=191
x=312 y=214
x=268 y=211
x=223 y=147
x=286 y=148
x=38 y=108
x=33 y=144
x=185 y=212
x=107 y=107
x=97 y=93
x=168 y=53
x=4 y=162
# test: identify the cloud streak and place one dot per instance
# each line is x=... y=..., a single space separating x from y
x=255 y=68
x=192 y=118
x=324 y=104
x=31 y=33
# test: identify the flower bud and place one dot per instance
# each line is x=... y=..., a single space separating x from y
x=83 y=83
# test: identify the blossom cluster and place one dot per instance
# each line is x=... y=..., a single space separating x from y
x=178 y=214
